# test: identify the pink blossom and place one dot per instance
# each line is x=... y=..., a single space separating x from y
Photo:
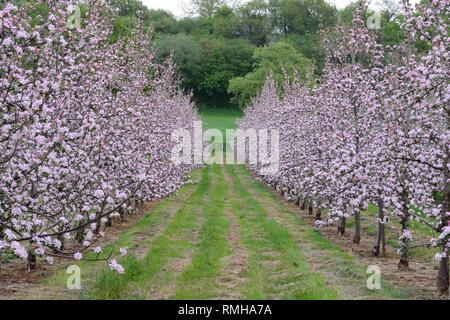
x=50 y=260
x=116 y=267
x=97 y=250
x=19 y=250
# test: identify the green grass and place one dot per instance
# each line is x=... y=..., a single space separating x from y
x=197 y=282
x=263 y=236
x=276 y=265
x=221 y=119
x=90 y=270
x=343 y=266
x=111 y=285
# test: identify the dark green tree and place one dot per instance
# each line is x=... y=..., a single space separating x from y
x=187 y=56
x=160 y=21
x=208 y=63
x=225 y=23
x=221 y=62
x=281 y=59
x=206 y=8
x=255 y=22
x=302 y=16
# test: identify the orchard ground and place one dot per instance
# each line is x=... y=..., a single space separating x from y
x=227 y=236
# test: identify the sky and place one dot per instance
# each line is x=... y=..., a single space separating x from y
x=177 y=6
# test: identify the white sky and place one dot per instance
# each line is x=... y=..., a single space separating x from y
x=177 y=6
x=174 y=6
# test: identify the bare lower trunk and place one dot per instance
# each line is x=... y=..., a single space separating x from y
x=404 y=250
x=303 y=206
x=310 y=207
x=80 y=233
x=1 y=253
x=108 y=223
x=443 y=272
x=380 y=242
x=443 y=277
x=141 y=205
x=31 y=261
x=319 y=213
x=357 y=235
x=341 y=225
x=297 y=202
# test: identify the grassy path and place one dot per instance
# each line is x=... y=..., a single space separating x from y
x=233 y=239
x=226 y=237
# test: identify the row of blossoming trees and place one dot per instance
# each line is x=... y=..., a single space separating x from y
x=375 y=130
x=85 y=129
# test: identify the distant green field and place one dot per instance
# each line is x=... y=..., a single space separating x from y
x=221 y=119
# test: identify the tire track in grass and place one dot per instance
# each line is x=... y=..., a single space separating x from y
x=182 y=244
x=231 y=277
x=200 y=279
x=140 y=273
x=136 y=238
x=338 y=268
x=276 y=269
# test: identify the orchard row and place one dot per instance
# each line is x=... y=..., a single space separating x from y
x=85 y=130
x=374 y=131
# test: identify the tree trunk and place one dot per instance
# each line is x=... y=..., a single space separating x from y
x=357 y=235
x=80 y=233
x=443 y=277
x=404 y=250
x=341 y=225
x=319 y=213
x=1 y=254
x=303 y=206
x=380 y=242
x=108 y=223
x=310 y=207
x=141 y=205
x=443 y=272
x=31 y=261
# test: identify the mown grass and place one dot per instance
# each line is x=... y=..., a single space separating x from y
x=172 y=243
x=267 y=240
x=344 y=266
x=276 y=267
x=57 y=283
x=220 y=119
x=198 y=281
